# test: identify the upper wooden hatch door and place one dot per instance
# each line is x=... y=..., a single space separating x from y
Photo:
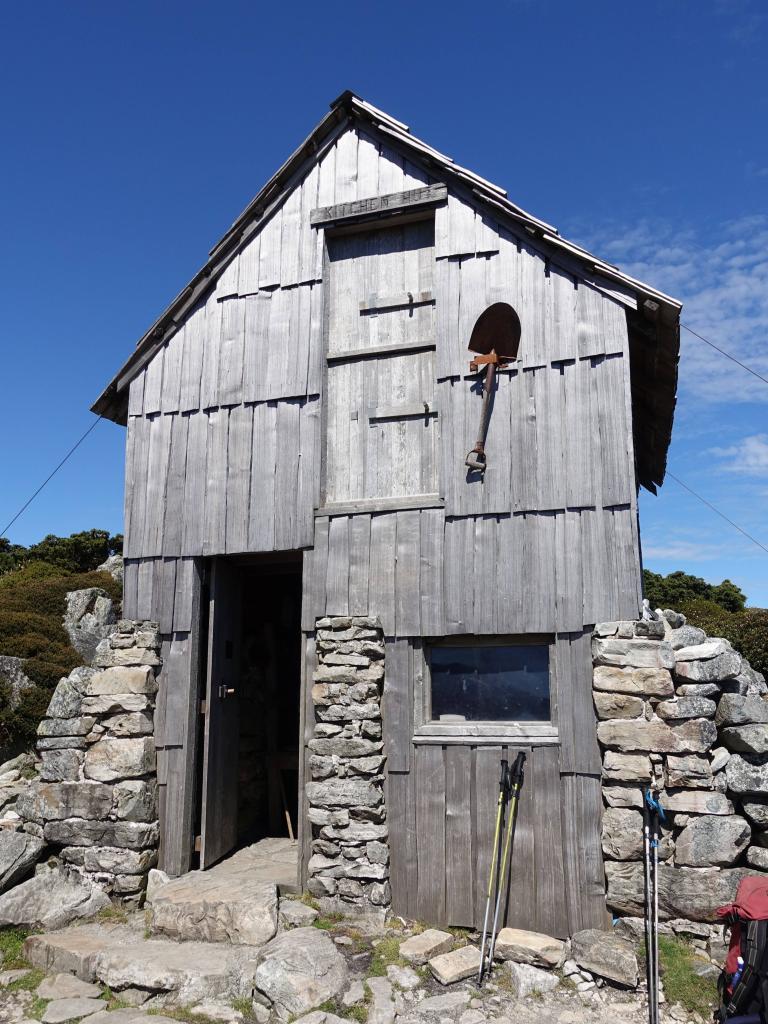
x=381 y=417
x=218 y=834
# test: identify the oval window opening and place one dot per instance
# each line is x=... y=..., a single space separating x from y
x=497 y=329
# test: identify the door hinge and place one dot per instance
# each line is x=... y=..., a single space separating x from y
x=198 y=843
x=203 y=706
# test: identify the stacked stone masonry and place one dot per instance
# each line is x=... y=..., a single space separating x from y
x=687 y=714
x=94 y=805
x=349 y=867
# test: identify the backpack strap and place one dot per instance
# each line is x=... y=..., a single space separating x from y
x=755 y=955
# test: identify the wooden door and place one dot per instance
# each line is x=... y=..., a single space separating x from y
x=222 y=721
x=381 y=417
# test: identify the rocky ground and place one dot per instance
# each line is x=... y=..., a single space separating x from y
x=317 y=970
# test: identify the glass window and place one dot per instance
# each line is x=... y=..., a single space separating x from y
x=490 y=683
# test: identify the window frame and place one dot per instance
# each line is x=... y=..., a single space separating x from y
x=427 y=730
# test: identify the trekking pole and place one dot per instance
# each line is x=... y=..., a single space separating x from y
x=648 y=902
x=656 y=815
x=516 y=776
x=497 y=835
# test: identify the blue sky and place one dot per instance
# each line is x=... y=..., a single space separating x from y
x=133 y=134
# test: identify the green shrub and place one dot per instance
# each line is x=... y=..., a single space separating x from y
x=678 y=587
x=746 y=630
x=32 y=604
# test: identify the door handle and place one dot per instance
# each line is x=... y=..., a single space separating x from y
x=225 y=691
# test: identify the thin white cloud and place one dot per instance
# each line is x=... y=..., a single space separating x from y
x=690 y=552
x=722 y=279
x=748 y=456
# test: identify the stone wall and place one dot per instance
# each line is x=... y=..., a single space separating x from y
x=688 y=714
x=349 y=867
x=95 y=802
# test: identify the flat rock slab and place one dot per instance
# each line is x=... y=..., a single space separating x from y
x=295 y=914
x=224 y=904
x=527 y=947
x=120 y=957
x=455 y=966
x=60 y=1010
x=67 y=986
x=427 y=944
x=18 y=853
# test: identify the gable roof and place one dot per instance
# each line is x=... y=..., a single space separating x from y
x=653 y=317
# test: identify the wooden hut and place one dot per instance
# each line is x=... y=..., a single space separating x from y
x=299 y=420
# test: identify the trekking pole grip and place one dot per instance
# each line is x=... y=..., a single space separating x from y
x=517 y=773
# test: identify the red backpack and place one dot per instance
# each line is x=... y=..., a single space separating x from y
x=746 y=991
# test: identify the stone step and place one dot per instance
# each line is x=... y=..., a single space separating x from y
x=119 y=956
x=231 y=902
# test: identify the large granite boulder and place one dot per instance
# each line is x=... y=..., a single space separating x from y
x=619 y=767
x=89 y=618
x=746 y=739
x=109 y=760
x=719 y=669
x=18 y=854
x=735 y=709
x=622 y=833
x=692 y=893
x=693 y=736
x=633 y=653
x=299 y=970
x=51 y=899
x=688 y=770
x=747 y=773
x=712 y=840
x=639 y=682
x=685 y=707
x=606 y=955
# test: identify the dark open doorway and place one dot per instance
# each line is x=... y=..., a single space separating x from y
x=249 y=767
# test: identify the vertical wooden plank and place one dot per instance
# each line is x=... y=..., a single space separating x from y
x=174 y=352
x=309 y=268
x=211 y=343
x=153 y=384
x=248 y=280
x=192 y=360
x=381 y=598
x=551 y=912
x=431 y=525
x=397 y=705
x=359 y=563
x=391 y=176
x=582 y=430
x=130 y=588
x=629 y=573
x=585 y=753
x=485 y=793
x=157 y=475
x=459 y=559
x=398 y=796
x=215 y=518
x=227 y=284
x=287 y=473
x=194 y=484
x=261 y=515
x=256 y=346
x=346 y=167
x=167 y=580
x=136 y=395
x=569 y=583
x=175 y=511
x=308 y=495
x=314 y=575
x=484 y=575
x=145 y=588
x=269 y=252
x=239 y=447
x=581 y=814
x=289 y=246
x=430 y=832
x=337 y=579
x=510 y=593
x=316 y=357
x=134 y=444
x=182 y=605
x=367 y=167
x=232 y=354
x=407 y=601
x=459 y=874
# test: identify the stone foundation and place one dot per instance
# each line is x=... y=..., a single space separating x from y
x=95 y=804
x=349 y=867
x=687 y=714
